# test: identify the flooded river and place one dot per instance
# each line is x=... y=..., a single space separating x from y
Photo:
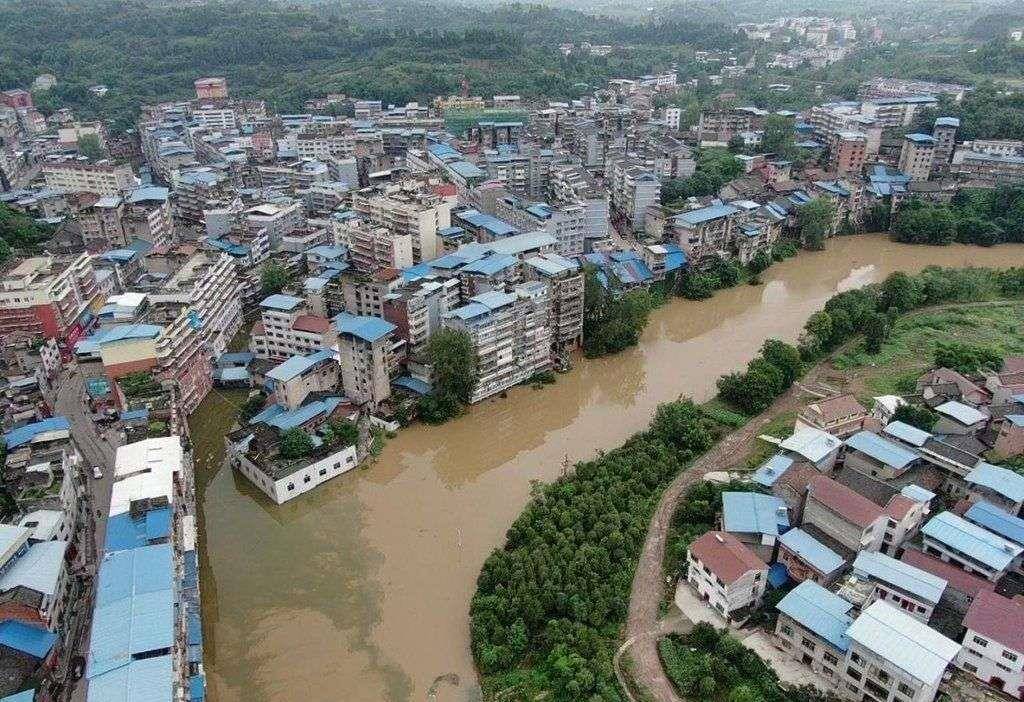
x=359 y=591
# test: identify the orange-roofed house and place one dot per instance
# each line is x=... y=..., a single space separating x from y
x=726 y=574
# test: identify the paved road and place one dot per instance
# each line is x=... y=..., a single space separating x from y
x=643 y=627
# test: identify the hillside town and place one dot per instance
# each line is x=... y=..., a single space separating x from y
x=308 y=264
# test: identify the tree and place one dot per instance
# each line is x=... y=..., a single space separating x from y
x=345 y=433
x=698 y=286
x=451 y=354
x=273 y=278
x=876 y=330
x=779 y=137
x=761 y=261
x=784 y=357
x=897 y=292
x=295 y=443
x=612 y=319
x=736 y=144
x=819 y=325
x=966 y=358
x=918 y=416
x=815 y=222
x=917 y=223
x=727 y=272
x=682 y=425
x=89 y=146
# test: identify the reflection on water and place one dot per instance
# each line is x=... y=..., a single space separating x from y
x=360 y=590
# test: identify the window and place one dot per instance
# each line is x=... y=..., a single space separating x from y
x=337 y=465
x=1009 y=656
x=905 y=689
x=808 y=644
x=829 y=658
x=980 y=641
x=307 y=479
x=291 y=486
x=786 y=629
x=856 y=659
x=970 y=668
x=853 y=673
x=323 y=471
x=1006 y=668
x=974 y=653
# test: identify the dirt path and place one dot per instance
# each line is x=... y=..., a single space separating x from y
x=642 y=626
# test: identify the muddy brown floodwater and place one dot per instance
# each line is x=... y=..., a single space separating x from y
x=360 y=590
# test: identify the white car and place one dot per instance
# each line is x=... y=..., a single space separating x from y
x=97 y=473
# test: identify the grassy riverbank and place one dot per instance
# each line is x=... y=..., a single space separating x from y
x=549 y=606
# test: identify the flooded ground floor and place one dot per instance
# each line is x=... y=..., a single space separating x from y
x=360 y=591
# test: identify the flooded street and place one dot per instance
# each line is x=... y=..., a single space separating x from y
x=360 y=590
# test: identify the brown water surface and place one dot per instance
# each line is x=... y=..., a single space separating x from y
x=360 y=590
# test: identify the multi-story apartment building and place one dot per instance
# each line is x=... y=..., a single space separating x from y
x=363 y=294
x=953 y=539
x=366 y=358
x=148 y=216
x=633 y=189
x=900 y=584
x=573 y=184
x=277 y=219
x=944 y=132
x=103 y=224
x=198 y=190
x=917 y=155
x=211 y=88
x=706 y=233
x=893 y=656
x=723 y=125
x=405 y=209
x=201 y=306
x=993 y=643
x=83 y=177
x=509 y=333
x=564 y=279
x=373 y=247
x=567 y=223
x=417 y=310
x=48 y=296
x=848 y=152
x=286 y=329
x=995 y=169
x=844 y=515
x=725 y=573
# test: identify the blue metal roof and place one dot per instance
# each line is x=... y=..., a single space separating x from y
x=987 y=515
x=1002 y=481
x=290 y=420
x=493 y=225
x=148 y=193
x=135 y=603
x=905 y=432
x=882 y=450
x=552 y=264
x=706 y=214
x=466 y=169
x=965 y=414
x=119 y=255
x=328 y=251
x=978 y=543
x=420 y=270
x=491 y=265
x=947 y=122
x=281 y=302
x=240 y=358
x=35 y=641
x=124 y=532
x=145 y=680
x=919 y=138
x=23 y=435
x=231 y=374
x=819 y=611
x=197 y=688
x=811 y=551
x=1016 y=420
x=778 y=575
x=139 y=415
x=297 y=365
x=631 y=272
x=921 y=584
x=754 y=513
x=130 y=332
x=917 y=493
x=369 y=329
x=24 y=696
x=413 y=384
x=772 y=469
x=521 y=243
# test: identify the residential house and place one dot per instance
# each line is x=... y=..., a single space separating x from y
x=840 y=416
x=891 y=653
x=953 y=539
x=959 y=418
x=812 y=627
x=806 y=558
x=1010 y=437
x=726 y=574
x=961 y=587
x=1000 y=486
x=993 y=643
x=851 y=519
x=942 y=384
x=755 y=519
x=915 y=591
x=875 y=456
x=998 y=521
x=814 y=446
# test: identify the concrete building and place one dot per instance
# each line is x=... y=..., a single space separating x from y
x=995 y=169
x=417 y=310
x=147 y=216
x=282 y=483
x=917 y=156
x=75 y=176
x=403 y=211
x=944 y=133
x=851 y=519
x=915 y=591
x=993 y=645
x=806 y=558
x=509 y=333
x=848 y=153
x=961 y=587
x=286 y=329
x=875 y=456
x=756 y=520
x=564 y=279
x=890 y=654
x=632 y=190
x=567 y=223
x=725 y=574
x=840 y=415
x=996 y=485
x=373 y=247
x=103 y=224
x=293 y=380
x=365 y=355
x=953 y=539
x=812 y=628
x=211 y=88
x=48 y=296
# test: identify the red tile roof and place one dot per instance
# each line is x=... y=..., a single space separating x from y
x=725 y=556
x=311 y=323
x=998 y=618
x=839 y=407
x=898 y=506
x=849 y=505
x=957 y=578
